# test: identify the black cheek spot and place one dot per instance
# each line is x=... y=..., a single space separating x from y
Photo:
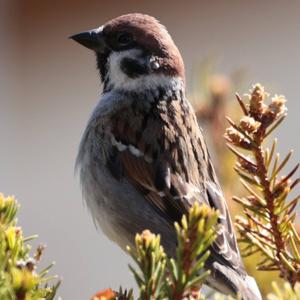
x=133 y=68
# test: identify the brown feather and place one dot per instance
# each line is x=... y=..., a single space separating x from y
x=179 y=171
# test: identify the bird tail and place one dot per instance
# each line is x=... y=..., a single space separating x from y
x=229 y=282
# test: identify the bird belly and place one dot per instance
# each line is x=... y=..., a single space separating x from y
x=120 y=210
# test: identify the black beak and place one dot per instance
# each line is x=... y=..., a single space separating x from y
x=92 y=39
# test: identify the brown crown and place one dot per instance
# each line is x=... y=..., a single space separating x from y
x=149 y=34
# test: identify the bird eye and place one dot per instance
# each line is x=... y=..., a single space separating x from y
x=124 y=39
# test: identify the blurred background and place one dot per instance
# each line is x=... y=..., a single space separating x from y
x=49 y=85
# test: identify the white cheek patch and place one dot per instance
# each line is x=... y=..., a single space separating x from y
x=118 y=80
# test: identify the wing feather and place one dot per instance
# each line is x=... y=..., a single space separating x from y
x=166 y=159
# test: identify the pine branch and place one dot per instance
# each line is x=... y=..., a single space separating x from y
x=268 y=224
x=287 y=293
x=160 y=277
x=195 y=234
x=19 y=278
x=151 y=260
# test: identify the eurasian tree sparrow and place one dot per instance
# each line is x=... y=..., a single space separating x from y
x=143 y=160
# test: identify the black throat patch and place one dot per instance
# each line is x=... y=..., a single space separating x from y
x=102 y=65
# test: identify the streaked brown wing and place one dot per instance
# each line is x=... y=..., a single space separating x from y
x=160 y=157
x=165 y=157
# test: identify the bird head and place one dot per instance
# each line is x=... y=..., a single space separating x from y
x=133 y=52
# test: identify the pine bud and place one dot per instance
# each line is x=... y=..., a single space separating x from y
x=236 y=138
x=249 y=124
x=257 y=98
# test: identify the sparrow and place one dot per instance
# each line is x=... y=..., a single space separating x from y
x=143 y=160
